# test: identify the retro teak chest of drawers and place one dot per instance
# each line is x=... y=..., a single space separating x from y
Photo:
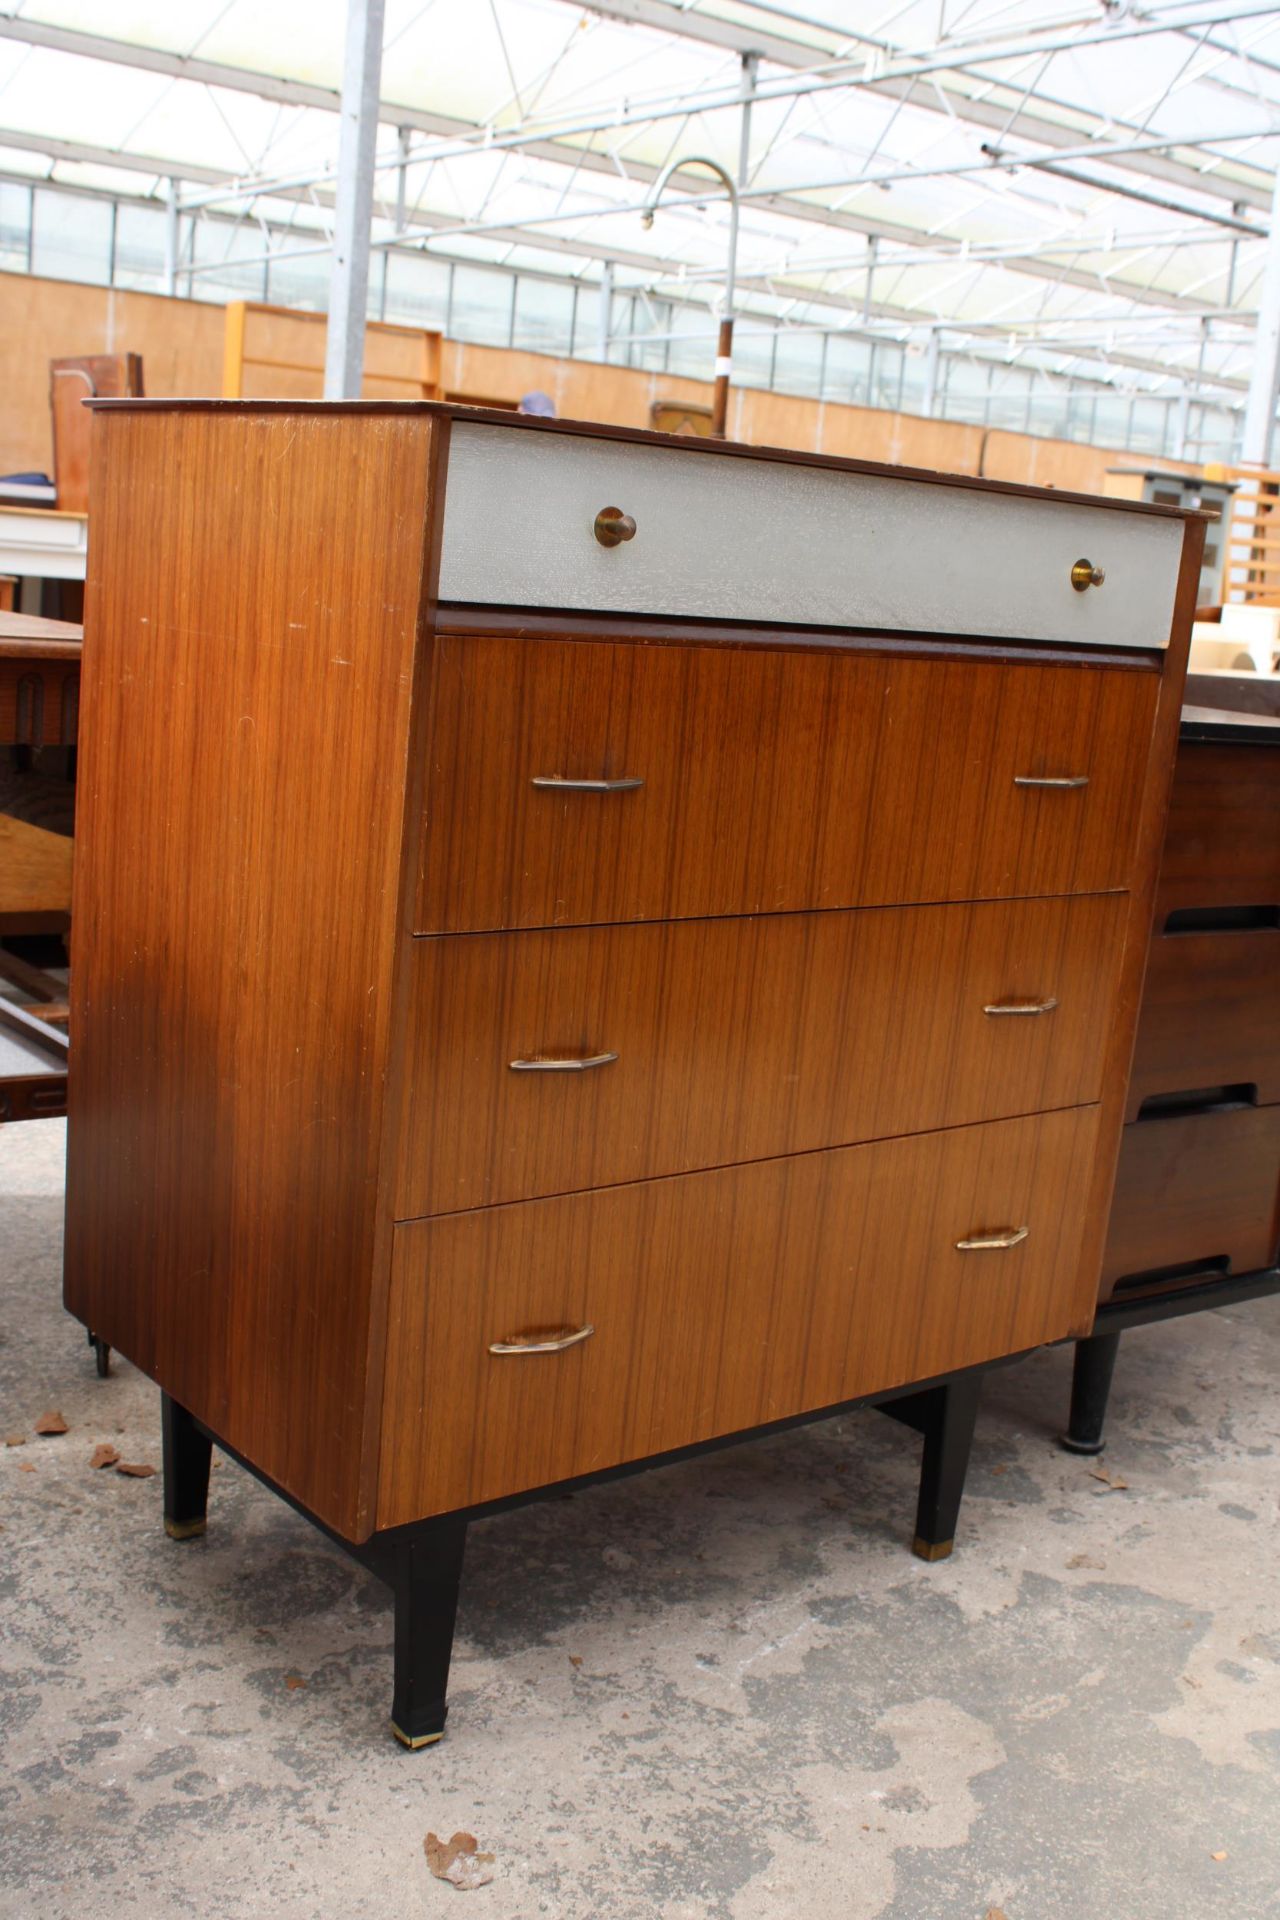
x=596 y=945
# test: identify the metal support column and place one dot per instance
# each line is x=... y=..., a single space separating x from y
x=1264 y=378
x=604 y=312
x=349 y=275
x=171 y=237
x=932 y=352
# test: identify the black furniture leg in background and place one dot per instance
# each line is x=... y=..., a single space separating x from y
x=187 y=1456
x=1090 y=1391
x=423 y=1568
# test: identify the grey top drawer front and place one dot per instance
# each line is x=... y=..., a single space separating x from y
x=739 y=539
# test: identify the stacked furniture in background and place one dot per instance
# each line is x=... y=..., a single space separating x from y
x=1196 y=1217
x=704 y=892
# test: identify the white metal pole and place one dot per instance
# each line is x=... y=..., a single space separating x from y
x=1264 y=376
x=171 y=237
x=349 y=275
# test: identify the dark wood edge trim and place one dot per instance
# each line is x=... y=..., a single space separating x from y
x=39 y=1033
x=641 y=436
x=366 y=1544
x=414 y=788
x=1150 y=843
x=461 y=620
x=1117 y=1315
x=49 y=651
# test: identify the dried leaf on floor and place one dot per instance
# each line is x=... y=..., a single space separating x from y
x=575 y=1659
x=458 y=1861
x=1111 y=1480
x=15 y=1439
x=1218 y=1856
x=51 y=1422
x=25 y=1466
x=1086 y=1560
x=293 y=1681
x=995 y=1913
x=1000 y=1467
x=104 y=1455
x=136 y=1469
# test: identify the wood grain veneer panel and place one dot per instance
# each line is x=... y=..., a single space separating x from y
x=254 y=589
x=1197 y=1187
x=773 y=781
x=740 y=1039
x=1209 y=1014
x=720 y=1300
x=1222 y=844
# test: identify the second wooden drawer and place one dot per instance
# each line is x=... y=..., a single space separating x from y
x=731 y=1040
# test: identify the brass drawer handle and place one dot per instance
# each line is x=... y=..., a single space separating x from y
x=586 y=786
x=1021 y=1006
x=988 y=1242
x=1085 y=575
x=561 y=1066
x=1050 y=779
x=543 y=1342
x=613 y=526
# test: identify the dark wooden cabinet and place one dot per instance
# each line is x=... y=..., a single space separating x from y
x=534 y=1016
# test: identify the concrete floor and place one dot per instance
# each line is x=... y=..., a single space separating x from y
x=723 y=1690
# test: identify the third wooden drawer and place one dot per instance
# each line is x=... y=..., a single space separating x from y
x=720 y=1300
x=713 y=1041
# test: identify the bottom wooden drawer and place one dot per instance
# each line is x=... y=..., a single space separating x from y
x=1197 y=1187
x=720 y=1301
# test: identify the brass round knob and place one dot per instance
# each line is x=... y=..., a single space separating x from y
x=1085 y=574
x=613 y=526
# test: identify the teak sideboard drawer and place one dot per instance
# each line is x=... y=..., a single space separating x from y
x=544 y=1062
x=1209 y=1014
x=1197 y=1187
x=1222 y=845
x=719 y=1301
x=778 y=540
x=583 y=781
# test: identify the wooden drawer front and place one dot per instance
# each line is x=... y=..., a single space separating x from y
x=1209 y=1015
x=773 y=781
x=1199 y=1187
x=1222 y=846
x=740 y=539
x=719 y=1300
x=740 y=1040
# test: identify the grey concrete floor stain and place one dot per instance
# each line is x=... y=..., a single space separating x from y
x=723 y=1691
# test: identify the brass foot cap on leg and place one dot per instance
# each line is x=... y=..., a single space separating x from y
x=931 y=1549
x=416 y=1741
x=185 y=1529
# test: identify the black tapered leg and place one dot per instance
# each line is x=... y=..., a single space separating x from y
x=423 y=1570
x=1090 y=1391
x=950 y=1412
x=187 y=1456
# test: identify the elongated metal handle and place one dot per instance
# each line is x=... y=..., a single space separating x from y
x=586 y=786
x=1021 y=1006
x=543 y=1342
x=561 y=1066
x=991 y=1242
x=1050 y=779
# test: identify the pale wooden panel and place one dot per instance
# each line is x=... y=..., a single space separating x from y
x=35 y=868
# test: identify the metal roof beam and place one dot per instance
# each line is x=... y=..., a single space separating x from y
x=665 y=17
